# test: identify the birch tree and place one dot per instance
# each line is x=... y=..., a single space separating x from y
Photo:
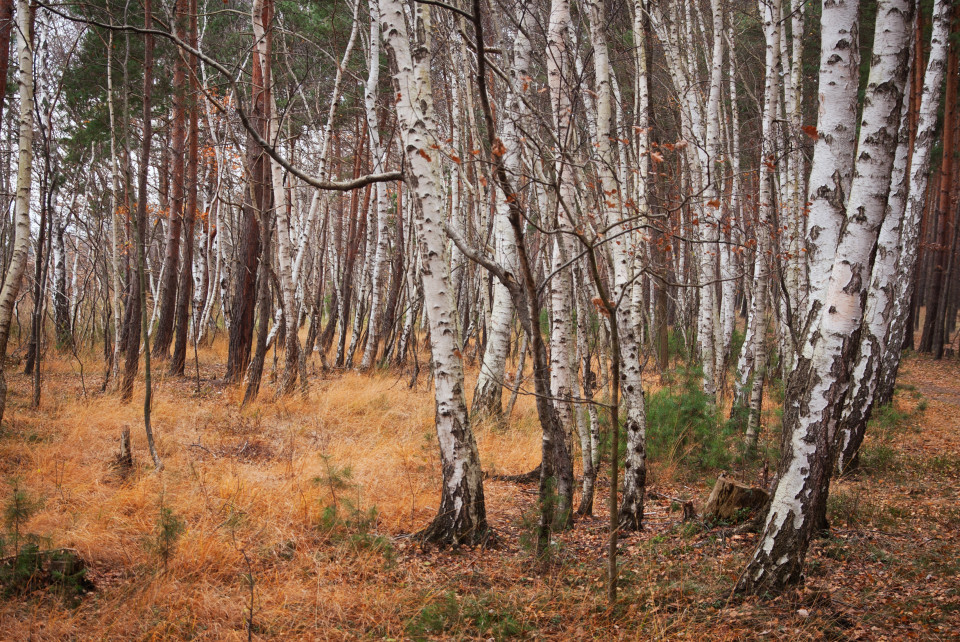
x=820 y=382
x=21 y=214
x=462 y=515
x=832 y=168
x=487 y=398
x=893 y=276
x=631 y=371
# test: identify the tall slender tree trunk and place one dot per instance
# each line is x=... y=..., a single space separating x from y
x=167 y=302
x=378 y=154
x=40 y=260
x=141 y=276
x=631 y=381
x=21 y=213
x=560 y=58
x=245 y=291
x=904 y=286
x=61 y=301
x=115 y=204
x=932 y=339
x=262 y=14
x=462 y=514
x=820 y=382
x=879 y=308
x=487 y=396
x=182 y=312
x=832 y=168
x=749 y=385
x=6 y=28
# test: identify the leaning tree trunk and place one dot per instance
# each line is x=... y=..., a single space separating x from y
x=832 y=168
x=923 y=145
x=462 y=514
x=932 y=338
x=820 y=382
x=21 y=215
x=879 y=309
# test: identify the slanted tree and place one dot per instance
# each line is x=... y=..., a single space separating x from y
x=461 y=517
x=821 y=380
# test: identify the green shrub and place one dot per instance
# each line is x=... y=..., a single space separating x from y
x=683 y=426
x=31 y=566
x=886 y=420
x=470 y=616
x=344 y=522
x=20 y=570
x=877 y=458
x=167 y=531
x=354 y=529
x=676 y=345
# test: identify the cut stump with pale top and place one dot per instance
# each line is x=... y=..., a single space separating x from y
x=730 y=500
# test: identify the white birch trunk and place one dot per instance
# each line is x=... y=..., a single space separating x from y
x=753 y=349
x=114 y=220
x=379 y=156
x=562 y=342
x=282 y=206
x=832 y=168
x=711 y=315
x=924 y=142
x=877 y=315
x=21 y=215
x=589 y=447
x=487 y=397
x=821 y=380
x=631 y=371
x=462 y=516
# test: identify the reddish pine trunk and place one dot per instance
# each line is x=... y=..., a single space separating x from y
x=932 y=338
x=245 y=282
x=171 y=259
x=185 y=287
x=135 y=301
x=265 y=204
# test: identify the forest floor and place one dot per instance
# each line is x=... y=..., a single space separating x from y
x=296 y=514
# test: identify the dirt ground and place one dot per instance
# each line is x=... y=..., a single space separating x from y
x=292 y=519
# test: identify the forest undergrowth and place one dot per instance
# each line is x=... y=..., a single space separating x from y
x=293 y=518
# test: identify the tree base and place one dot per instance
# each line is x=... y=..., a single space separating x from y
x=524 y=478
x=442 y=534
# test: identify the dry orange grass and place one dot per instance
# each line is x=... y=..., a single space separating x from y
x=242 y=479
x=250 y=485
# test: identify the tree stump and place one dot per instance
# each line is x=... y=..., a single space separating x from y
x=124 y=459
x=731 y=501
